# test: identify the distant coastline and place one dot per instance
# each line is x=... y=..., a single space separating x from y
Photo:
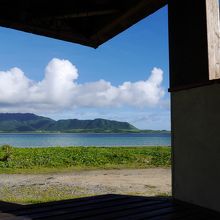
x=19 y=123
x=90 y=132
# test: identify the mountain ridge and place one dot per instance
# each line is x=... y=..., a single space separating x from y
x=28 y=122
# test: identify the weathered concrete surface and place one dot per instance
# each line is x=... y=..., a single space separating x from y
x=196 y=145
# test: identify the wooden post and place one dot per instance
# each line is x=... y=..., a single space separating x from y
x=213 y=29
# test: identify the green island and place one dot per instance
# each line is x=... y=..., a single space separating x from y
x=31 y=123
x=58 y=159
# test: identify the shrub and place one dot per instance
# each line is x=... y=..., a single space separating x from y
x=7 y=151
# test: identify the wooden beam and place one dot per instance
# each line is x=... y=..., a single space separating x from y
x=106 y=18
x=141 y=10
x=70 y=36
x=213 y=32
x=83 y=14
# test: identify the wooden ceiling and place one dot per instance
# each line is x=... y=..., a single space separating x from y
x=87 y=22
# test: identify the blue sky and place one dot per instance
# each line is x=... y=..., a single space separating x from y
x=65 y=80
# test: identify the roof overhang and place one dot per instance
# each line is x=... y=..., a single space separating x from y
x=87 y=22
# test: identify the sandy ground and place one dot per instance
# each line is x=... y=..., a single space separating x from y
x=155 y=181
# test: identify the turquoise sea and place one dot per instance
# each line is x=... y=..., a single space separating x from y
x=44 y=140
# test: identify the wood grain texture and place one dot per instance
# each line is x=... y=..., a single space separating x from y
x=213 y=33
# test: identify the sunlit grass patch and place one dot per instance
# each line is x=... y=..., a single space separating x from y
x=37 y=194
x=65 y=159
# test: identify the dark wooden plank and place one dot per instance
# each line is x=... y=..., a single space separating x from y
x=95 y=212
x=7 y=206
x=41 y=207
x=84 y=199
x=7 y=216
x=113 y=207
x=152 y=213
x=82 y=209
x=67 y=204
x=177 y=214
x=127 y=211
x=90 y=199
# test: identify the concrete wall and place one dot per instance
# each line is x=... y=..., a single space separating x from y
x=195 y=119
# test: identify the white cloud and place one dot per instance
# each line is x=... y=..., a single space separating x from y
x=59 y=90
x=13 y=86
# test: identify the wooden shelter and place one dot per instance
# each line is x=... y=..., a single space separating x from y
x=194 y=42
x=87 y=22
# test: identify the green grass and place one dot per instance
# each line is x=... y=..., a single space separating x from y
x=36 y=194
x=64 y=159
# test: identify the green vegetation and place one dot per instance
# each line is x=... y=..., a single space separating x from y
x=65 y=159
x=17 y=122
x=54 y=159
x=21 y=123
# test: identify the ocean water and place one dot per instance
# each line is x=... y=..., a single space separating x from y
x=44 y=140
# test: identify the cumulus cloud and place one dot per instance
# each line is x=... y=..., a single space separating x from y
x=59 y=90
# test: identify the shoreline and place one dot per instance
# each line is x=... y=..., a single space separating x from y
x=153 y=132
x=89 y=146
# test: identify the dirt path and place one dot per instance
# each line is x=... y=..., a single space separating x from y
x=139 y=182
